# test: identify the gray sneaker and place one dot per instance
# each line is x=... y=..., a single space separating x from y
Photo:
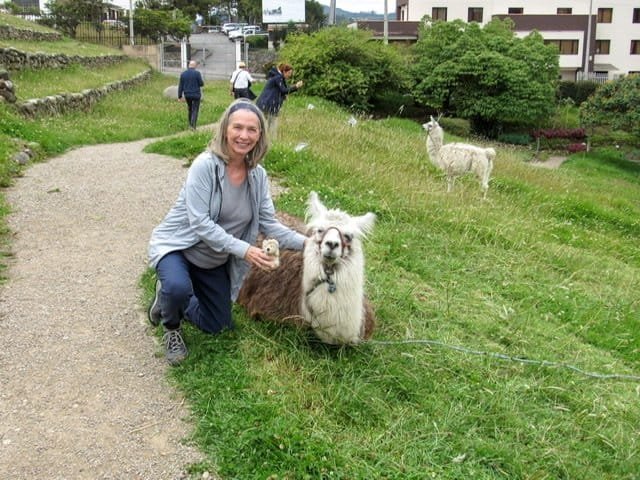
x=155 y=315
x=174 y=348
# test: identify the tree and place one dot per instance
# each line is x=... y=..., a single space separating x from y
x=486 y=75
x=615 y=104
x=158 y=24
x=189 y=8
x=315 y=16
x=68 y=14
x=346 y=66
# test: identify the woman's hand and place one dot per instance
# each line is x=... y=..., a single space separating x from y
x=257 y=257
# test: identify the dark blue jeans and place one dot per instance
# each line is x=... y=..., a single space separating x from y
x=194 y=108
x=202 y=296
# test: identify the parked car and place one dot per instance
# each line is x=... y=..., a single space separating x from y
x=229 y=27
x=250 y=27
x=252 y=32
x=213 y=29
x=243 y=31
x=117 y=24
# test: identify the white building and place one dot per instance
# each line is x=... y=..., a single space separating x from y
x=613 y=26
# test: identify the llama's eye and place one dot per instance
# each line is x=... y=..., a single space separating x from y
x=348 y=237
x=320 y=231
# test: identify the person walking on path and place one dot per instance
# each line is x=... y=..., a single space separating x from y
x=189 y=90
x=205 y=245
x=241 y=81
x=274 y=94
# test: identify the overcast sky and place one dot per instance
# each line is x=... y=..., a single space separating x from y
x=362 y=5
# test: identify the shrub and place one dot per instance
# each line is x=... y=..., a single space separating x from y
x=576 y=91
x=456 y=126
x=569 y=133
x=394 y=103
x=515 y=138
x=615 y=105
x=257 y=41
x=584 y=89
x=576 y=147
x=566 y=89
x=345 y=66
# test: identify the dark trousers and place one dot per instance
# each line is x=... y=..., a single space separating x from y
x=194 y=108
x=202 y=296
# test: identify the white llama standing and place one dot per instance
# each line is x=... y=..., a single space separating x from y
x=456 y=159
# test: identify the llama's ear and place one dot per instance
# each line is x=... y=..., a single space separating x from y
x=431 y=117
x=315 y=208
x=365 y=223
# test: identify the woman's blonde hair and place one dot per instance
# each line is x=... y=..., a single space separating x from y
x=219 y=143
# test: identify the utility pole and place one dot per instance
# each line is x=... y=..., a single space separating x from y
x=587 y=46
x=131 y=37
x=386 y=24
x=332 y=12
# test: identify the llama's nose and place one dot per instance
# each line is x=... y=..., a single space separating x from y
x=331 y=245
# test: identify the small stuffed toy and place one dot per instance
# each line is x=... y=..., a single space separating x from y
x=271 y=247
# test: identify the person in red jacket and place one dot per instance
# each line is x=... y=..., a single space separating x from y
x=274 y=94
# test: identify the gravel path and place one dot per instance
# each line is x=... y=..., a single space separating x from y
x=83 y=389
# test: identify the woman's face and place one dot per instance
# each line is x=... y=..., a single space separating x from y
x=243 y=132
x=288 y=74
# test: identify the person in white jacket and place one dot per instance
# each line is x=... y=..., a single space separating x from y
x=241 y=81
x=204 y=247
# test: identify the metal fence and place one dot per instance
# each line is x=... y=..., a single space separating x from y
x=110 y=35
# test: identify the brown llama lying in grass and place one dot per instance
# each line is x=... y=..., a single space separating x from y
x=321 y=287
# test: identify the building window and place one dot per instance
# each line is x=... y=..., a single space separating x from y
x=602 y=47
x=635 y=47
x=475 y=14
x=565 y=47
x=439 y=13
x=515 y=10
x=564 y=11
x=636 y=15
x=605 y=15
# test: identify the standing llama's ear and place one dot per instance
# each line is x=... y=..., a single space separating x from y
x=431 y=117
x=439 y=117
x=315 y=208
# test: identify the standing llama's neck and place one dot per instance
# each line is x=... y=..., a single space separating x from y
x=434 y=142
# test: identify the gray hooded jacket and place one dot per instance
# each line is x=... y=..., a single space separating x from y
x=194 y=215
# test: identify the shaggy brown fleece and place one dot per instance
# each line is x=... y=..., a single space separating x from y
x=275 y=295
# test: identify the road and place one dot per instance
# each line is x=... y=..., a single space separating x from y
x=215 y=53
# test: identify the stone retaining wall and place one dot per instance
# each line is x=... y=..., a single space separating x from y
x=57 y=104
x=8 y=32
x=15 y=60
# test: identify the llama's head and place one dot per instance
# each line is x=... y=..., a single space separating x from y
x=431 y=125
x=336 y=234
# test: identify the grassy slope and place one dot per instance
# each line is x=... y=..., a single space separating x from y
x=547 y=268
